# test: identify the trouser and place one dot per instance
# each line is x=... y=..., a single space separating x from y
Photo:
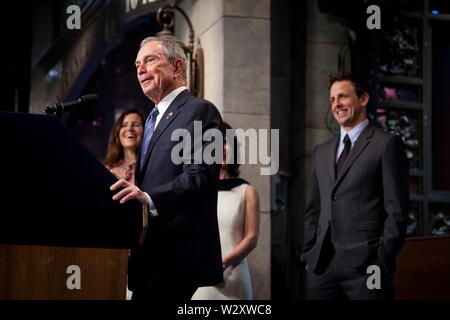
x=336 y=280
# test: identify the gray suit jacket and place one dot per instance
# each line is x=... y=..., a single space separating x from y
x=365 y=208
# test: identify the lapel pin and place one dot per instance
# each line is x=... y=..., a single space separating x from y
x=169 y=115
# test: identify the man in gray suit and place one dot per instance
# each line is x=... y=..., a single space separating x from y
x=357 y=204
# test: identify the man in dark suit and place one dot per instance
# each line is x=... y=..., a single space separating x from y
x=182 y=249
x=357 y=202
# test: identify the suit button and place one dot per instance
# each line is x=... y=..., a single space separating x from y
x=334 y=198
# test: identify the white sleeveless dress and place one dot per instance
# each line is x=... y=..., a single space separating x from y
x=237 y=282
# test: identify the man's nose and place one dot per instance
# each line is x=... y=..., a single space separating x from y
x=140 y=69
x=336 y=104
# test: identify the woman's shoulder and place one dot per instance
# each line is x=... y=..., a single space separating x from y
x=251 y=193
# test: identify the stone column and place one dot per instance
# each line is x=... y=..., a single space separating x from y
x=325 y=40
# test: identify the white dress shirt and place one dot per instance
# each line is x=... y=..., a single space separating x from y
x=166 y=101
x=353 y=134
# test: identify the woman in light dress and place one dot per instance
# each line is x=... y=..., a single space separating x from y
x=238 y=217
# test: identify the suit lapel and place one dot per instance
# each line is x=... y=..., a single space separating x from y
x=168 y=116
x=331 y=157
x=360 y=144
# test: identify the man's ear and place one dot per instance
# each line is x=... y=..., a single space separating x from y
x=364 y=98
x=179 y=67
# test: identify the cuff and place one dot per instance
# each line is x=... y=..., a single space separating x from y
x=151 y=206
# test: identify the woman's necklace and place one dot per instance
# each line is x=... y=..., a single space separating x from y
x=127 y=165
x=129 y=169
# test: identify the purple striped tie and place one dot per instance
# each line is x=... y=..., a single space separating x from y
x=148 y=132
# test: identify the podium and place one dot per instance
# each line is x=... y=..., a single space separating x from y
x=61 y=234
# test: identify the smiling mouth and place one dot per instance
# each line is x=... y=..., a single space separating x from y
x=146 y=80
x=340 y=112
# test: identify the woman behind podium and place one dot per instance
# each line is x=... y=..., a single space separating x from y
x=238 y=217
x=124 y=141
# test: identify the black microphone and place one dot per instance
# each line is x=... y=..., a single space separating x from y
x=84 y=103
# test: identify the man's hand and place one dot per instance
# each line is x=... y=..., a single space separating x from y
x=129 y=191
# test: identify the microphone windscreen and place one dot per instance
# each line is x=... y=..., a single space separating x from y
x=90 y=100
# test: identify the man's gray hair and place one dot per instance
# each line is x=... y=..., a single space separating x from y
x=171 y=49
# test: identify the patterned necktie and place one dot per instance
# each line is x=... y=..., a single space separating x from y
x=344 y=154
x=148 y=132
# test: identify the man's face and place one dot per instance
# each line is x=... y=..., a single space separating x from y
x=154 y=71
x=348 y=109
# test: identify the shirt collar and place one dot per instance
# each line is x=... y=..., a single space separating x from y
x=354 y=133
x=168 y=99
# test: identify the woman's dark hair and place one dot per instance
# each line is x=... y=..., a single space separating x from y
x=114 y=153
x=232 y=168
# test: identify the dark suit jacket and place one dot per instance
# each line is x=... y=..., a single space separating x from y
x=365 y=208
x=182 y=245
